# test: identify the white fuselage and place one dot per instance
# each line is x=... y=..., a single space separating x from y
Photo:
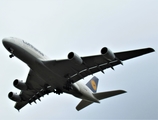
x=33 y=58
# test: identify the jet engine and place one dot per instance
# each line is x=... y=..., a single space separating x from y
x=75 y=58
x=20 y=85
x=14 y=97
x=108 y=54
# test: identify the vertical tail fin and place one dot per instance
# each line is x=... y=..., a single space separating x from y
x=93 y=84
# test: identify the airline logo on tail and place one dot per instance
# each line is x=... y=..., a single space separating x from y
x=92 y=84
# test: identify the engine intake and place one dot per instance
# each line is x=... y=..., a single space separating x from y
x=108 y=54
x=75 y=58
x=14 y=97
x=20 y=85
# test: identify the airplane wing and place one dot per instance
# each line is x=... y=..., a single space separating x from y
x=37 y=88
x=91 y=64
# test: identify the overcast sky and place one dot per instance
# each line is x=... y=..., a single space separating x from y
x=57 y=27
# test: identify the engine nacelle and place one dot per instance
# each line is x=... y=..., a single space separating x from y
x=14 y=97
x=75 y=58
x=108 y=54
x=20 y=85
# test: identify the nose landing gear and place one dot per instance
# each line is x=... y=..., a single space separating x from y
x=12 y=55
x=11 y=51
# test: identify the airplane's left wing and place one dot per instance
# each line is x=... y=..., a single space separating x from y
x=37 y=88
x=76 y=68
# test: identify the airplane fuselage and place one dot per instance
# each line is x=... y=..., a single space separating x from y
x=34 y=59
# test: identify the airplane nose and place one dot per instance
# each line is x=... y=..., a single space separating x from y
x=5 y=40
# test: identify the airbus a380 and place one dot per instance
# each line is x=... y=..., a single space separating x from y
x=63 y=76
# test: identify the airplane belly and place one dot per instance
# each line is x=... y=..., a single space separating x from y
x=51 y=78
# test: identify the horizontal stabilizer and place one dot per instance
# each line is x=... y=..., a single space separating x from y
x=83 y=104
x=103 y=95
x=99 y=96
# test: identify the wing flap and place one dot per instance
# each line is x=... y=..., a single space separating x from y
x=92 y=70
x=29 y=98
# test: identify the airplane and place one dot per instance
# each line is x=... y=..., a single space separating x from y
x=63 y=76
